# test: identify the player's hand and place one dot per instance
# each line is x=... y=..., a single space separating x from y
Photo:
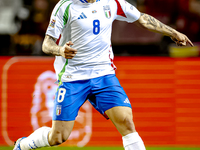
x=181 y=39
x=68 y=52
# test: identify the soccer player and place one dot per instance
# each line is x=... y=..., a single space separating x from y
x=79 y=36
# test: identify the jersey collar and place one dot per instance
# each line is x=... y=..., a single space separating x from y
x=82 y=1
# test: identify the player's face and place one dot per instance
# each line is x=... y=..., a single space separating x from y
x=91 y=1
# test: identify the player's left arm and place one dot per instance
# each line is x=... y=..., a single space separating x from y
x=152 y=24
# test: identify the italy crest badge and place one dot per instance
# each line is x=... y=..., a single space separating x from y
x=107 y=11
x=58 y=110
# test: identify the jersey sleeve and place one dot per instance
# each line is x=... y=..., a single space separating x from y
x=126 y=11
x=59 y=18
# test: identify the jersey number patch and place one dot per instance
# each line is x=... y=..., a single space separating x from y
x=96 y=27
x=61 y=95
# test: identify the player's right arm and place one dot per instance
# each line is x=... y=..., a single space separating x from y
x=50 y=47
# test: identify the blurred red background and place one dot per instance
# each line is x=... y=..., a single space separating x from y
x=164 y=92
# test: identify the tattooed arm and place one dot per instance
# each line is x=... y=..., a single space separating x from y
x=50 y=47
x=152 y=24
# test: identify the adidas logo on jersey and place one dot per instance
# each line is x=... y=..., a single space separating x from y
x=82 y=16
x=127 y=101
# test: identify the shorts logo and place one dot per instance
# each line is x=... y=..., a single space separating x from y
x=107 y=11
x=52 y=23
x=127 y=101
x=58 y=110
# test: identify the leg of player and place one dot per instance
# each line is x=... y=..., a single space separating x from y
x=123 y=120
x=46 y=136
x=60 y=132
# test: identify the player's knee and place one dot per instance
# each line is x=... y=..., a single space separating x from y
x=57 y=138
x=126 y=121
x=128 y=124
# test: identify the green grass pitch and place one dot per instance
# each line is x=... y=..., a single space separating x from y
x=108 y=148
